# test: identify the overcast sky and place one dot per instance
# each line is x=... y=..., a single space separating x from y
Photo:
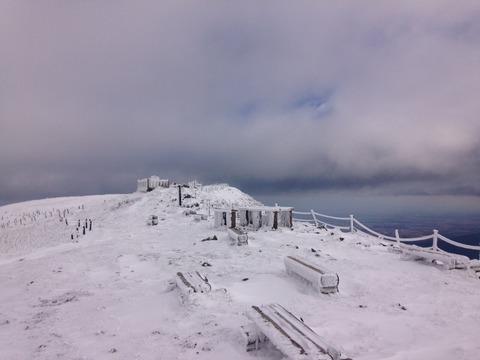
x=377 y=97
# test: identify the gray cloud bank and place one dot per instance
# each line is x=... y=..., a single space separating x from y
x=270 y=96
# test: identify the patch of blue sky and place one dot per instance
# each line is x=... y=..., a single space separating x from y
x=247 y=110
x=319 y=103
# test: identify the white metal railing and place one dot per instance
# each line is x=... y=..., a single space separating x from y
x=325 y=224
x=353 y=225
x=303 y=214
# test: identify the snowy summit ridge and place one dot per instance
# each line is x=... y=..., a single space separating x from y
x=105 y=293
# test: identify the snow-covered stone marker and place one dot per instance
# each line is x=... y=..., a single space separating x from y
x=152 y=220
x=189 y=283
x=288 y=333
x=438 y=257
x=238 y=236
x=322 y=279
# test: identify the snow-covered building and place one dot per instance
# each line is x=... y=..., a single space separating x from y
x=255 y=217
x=225 y=217
x=272 y=216
x=144 y=185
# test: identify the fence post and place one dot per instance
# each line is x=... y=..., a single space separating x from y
x=351 y=224
x=314 y=218
x=397 y=236
x=435 y=240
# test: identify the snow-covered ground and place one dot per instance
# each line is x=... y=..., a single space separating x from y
x=104 y=295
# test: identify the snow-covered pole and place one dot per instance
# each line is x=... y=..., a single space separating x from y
x=397 y=236
x=435 y=240
x=314 y=218
x=351 y=224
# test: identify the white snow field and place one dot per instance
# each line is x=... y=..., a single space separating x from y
x=105 y=294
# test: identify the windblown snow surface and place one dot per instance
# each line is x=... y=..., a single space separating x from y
x=105 y=294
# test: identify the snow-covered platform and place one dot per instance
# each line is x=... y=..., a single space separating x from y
x=322 y=279
x=288 y=333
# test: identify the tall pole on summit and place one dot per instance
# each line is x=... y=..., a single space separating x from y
x=179 y=195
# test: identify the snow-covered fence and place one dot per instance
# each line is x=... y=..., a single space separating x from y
x=320 y=221
x=353 y=225
x=303 y=217
x=194 y=185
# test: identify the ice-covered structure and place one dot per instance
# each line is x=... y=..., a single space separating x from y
x=148 y=184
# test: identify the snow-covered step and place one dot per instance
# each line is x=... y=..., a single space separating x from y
x=322 y=279
x=289 y=334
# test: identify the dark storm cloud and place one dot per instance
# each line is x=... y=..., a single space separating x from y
x=311 y=95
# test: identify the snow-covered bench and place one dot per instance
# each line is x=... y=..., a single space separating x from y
x=238 y=236
x=189 y=283
x=322 y=279
x=438 y=257
x=199 y=217
x=289 y=334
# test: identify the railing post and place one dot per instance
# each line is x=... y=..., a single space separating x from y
x=179 y=195
x=351 y=224
x=314 y=218
x=435 y=240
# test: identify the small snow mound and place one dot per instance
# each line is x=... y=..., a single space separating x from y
x=225 y=196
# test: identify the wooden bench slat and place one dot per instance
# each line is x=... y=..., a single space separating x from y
x=270 y=328
x=303 y=329
x=291 y=335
